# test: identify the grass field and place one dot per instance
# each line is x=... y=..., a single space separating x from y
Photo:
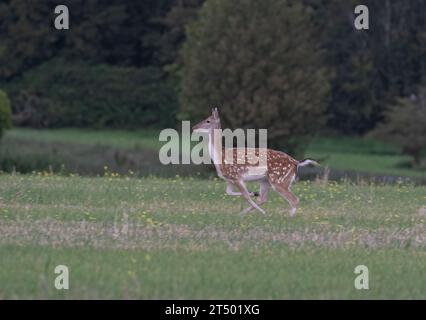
x=116 y=138
x=363 y=156
x=124 y=237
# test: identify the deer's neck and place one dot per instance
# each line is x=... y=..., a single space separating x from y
x=215 y=149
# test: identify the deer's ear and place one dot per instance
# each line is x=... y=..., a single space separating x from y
x=215 y=113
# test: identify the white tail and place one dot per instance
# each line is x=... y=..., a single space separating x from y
x=306 y=162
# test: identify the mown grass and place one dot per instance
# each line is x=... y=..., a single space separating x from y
x=124 y=237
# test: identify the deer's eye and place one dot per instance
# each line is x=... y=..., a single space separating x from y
x=208 y=121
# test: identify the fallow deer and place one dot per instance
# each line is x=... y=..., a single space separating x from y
x=279 y=173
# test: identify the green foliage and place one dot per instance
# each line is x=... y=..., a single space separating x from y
x=375 y=66
x=371 y=68
x=260 y=63
x=105 y=71
x=404 y=125
x=61 y=93
x=116 y=33
x=5 y=112
x=175 y=21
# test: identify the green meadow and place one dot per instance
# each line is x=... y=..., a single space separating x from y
x=145 y=238
x=100 y=203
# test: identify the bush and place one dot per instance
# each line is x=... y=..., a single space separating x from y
x=5 y=112
x=404 y=124
x=64 y=94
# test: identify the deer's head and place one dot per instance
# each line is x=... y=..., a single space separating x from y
x=210 y=123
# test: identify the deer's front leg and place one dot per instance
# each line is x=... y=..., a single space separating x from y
x=240 y=184
x=264 y=190
x=230 y=191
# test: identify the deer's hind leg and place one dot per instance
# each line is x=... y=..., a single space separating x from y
x=282 y=187
x=292 y=200
x=264 y=190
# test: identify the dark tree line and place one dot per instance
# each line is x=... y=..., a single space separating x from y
x=135 y=46
x=375 y=67
x=107 y=70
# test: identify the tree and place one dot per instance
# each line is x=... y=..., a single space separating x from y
x=261 y=64
x=373 y=67
x=175 y=21
x=404 y=125
x=5 y=112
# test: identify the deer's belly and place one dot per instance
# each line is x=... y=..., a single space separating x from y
x=255 y=173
